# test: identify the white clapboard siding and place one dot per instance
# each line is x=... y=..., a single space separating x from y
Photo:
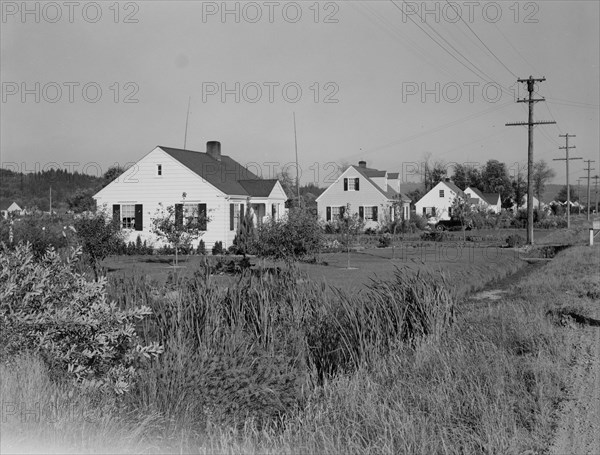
x=140 y=184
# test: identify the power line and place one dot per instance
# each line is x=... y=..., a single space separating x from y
x=480 y=40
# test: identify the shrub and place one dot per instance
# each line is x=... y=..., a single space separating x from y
x=435 y=236
x=515 y=240
x=47 y=307
x=295 y=237
x=385 y=240
x=201 y=249
x=417 y=221
x=217 y=248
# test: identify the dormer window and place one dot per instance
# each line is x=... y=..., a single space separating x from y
x=159 y=169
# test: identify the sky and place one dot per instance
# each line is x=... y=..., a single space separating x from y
x=86 y=85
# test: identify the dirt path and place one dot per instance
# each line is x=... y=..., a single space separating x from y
x=578 y=430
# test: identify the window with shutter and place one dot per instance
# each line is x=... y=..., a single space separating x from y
x=139 y=217
x=361 y=213
x=328 y=214
x=202 y=214
x=356 y=186
x=345 y=184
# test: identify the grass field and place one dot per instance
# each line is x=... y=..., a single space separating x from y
x=484 y=376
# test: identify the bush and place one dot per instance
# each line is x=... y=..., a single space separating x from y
x=297 y=236
x=514 y=241
x=385 y=240
x=418 y=222
x=40 y=231
x=201 y=249
x=48 y=308
x=435 y=236
x=217 y=248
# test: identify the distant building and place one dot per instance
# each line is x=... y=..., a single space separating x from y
x=371 y=193
x=11 y=208
x=487 y=201
x=438 y=201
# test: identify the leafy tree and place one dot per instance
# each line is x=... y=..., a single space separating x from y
x=496 y=180
x=562 y=194
x=415 y=195
x=542 y=173
x=466 y=175
x=112 y=173
x=99 y=238
x=519 y=185
x=177 y=228
x=462 y=211
x=82 y=201
x=433 y=173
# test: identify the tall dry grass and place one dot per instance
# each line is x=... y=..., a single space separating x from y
x=275 y=364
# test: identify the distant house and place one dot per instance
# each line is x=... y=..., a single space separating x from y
x=372 y=193
x=488 y=201
x=536 y=204
x=214 y=185
x=12 y=208
x=438 y=201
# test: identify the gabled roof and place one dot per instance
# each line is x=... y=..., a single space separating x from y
x=490 y=198
x=226 y=174
x=393 y=175
x=5 y=204
x=258 y=188
x=390 y=193
x=453 y=187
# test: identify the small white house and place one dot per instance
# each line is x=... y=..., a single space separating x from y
x=536 y=204
x=487 y=201
x=438 y=201
x=10 y=208
x=214 y=185
x=373 y=194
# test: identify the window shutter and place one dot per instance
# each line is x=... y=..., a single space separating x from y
x=241 y=211
x=356 y=183
x=361 y=213
x=139 y=217
x=342 y=211
x=178 y=215
x=328 y=214
x=345 y=184
x=117 y=216
x=231 y=216
x=375 y=213
x=433 y=211
x=202 y=216
x=424 y=211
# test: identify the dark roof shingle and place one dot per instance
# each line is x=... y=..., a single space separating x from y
x=225 y=174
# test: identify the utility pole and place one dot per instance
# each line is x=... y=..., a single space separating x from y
x=50 y=211
x=297 y=168
x=579 y=195
x=567 y=159
x=588 y=169
x=187 y=118
x=530 y=123
x=595 y=177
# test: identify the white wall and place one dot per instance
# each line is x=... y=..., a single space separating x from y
x=366 y=196
x=140 y=184
x=433 y=199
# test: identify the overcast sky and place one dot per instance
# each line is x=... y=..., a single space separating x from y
x=376 y=83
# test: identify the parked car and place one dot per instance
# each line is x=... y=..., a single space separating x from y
x=452 y=225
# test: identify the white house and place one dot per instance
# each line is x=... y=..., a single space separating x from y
x=488 y=201
x=214 y=185
x=536 y=204
x=438 y=201
x=7 y=208
x=373 y=194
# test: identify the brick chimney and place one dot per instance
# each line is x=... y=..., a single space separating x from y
x=213 y=149
x=362 y=164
